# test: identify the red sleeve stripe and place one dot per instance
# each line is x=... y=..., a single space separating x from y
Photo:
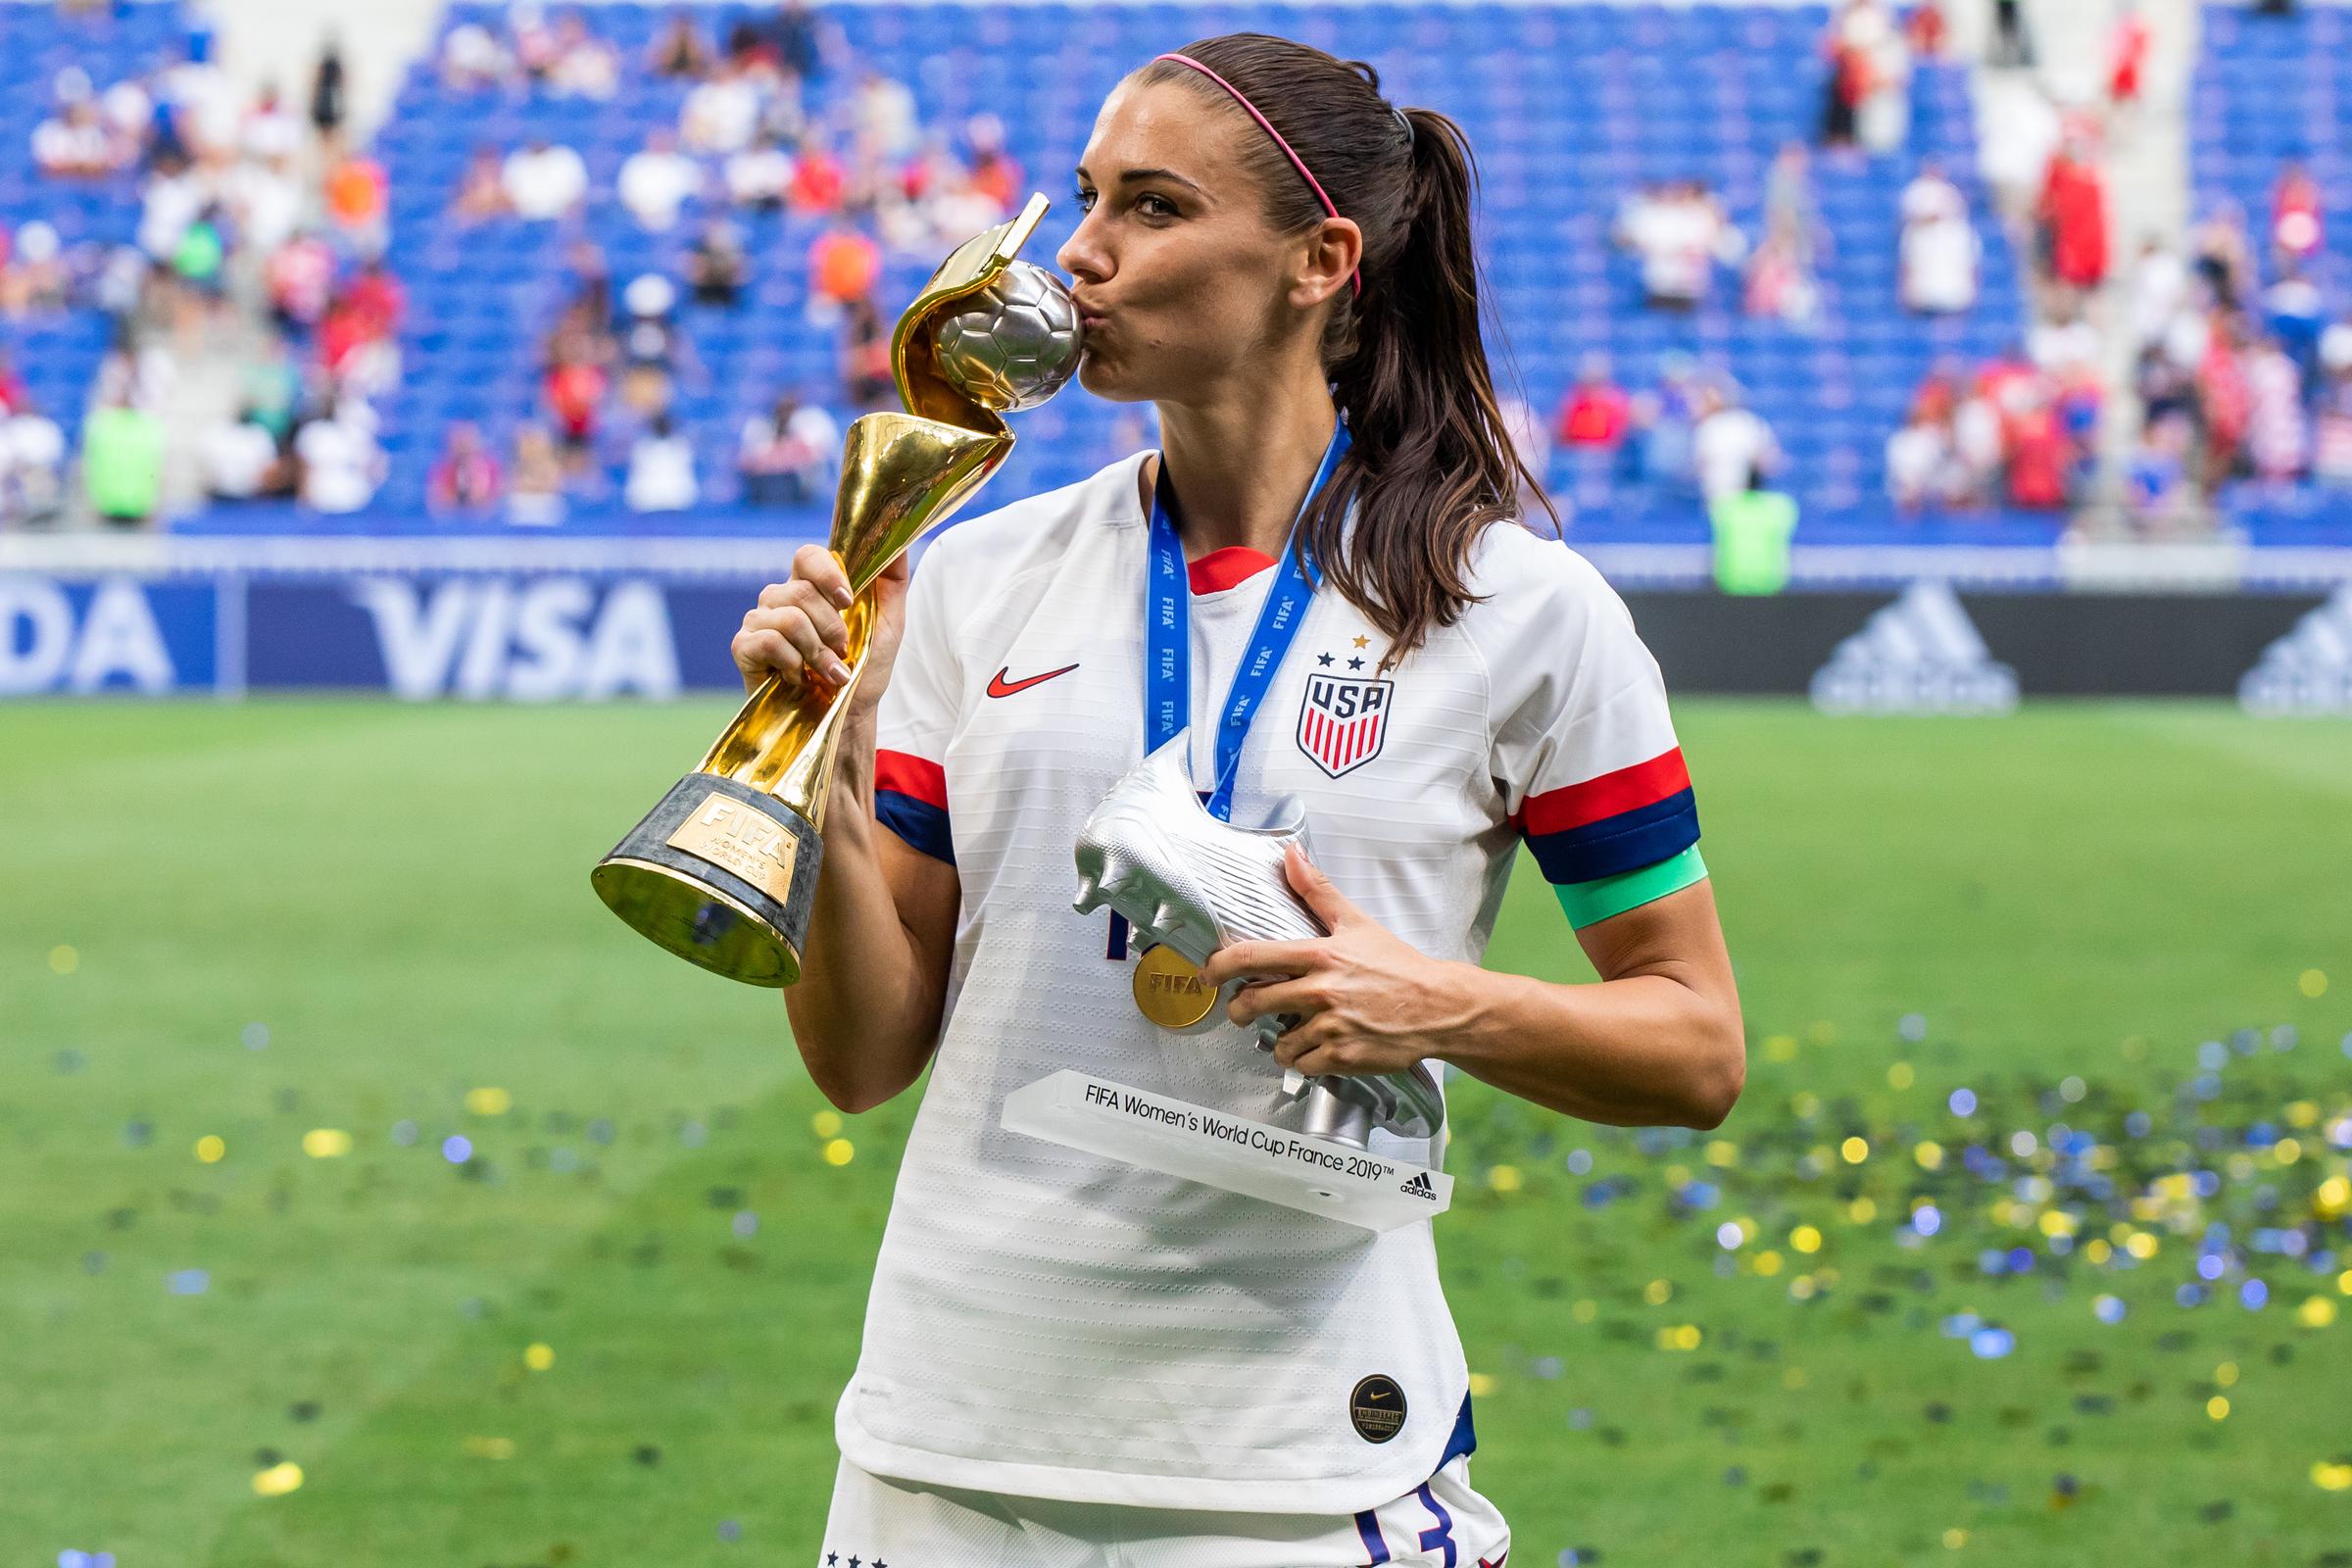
x=1627 y=789
x=905 y=773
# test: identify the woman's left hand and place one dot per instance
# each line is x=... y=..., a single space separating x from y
x=1367 y=1001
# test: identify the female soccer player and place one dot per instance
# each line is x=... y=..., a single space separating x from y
x=1073 y=1361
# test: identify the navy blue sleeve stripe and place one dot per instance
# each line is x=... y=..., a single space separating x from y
x=1633 y=839
x=921 y=824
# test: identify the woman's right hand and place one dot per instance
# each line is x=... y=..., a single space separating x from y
x=797 y=632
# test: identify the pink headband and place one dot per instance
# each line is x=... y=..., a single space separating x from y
x=1297 y=161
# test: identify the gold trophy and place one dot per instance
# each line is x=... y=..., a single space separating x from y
x=723 y=871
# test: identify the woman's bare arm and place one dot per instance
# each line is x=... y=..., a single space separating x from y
x=875 y=976
x=1658 y=1042
x=875 y=967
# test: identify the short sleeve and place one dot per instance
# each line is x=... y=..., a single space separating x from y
x=1584 y=751
x=916 y=718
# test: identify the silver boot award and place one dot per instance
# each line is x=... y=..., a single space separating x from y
x=1191 y=883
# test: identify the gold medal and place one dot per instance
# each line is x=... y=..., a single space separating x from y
x=1168 y=989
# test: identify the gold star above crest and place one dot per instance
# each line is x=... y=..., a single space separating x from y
x=1363 y=642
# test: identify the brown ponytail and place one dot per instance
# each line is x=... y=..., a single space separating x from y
x=1431 y=463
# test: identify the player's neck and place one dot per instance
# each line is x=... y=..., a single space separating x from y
x=1242 y=465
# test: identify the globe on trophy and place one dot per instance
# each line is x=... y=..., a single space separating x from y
x=723 y=871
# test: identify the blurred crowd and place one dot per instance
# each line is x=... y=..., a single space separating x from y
x=1683 y=242
x=2240 y=379
x=2023 y=430
x=610 y=371
x=1870 y=49
x=745 y=142
x=237 y=197
x=2236 y=379
x=1690 y=437
x=262 y=237
x=262 y=229
x=2019 y=432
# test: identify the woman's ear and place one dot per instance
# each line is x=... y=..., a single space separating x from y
x=1329 y=258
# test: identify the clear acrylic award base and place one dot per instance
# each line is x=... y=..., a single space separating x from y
x=1314 y=1175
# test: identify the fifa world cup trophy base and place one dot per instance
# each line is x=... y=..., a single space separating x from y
x=720 y=875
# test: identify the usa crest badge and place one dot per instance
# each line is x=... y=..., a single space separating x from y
x=1343 y=721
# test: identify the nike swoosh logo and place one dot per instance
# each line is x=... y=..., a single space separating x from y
x=999 y=686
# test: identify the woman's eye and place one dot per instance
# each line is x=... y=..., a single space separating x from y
x=1086 y=201
x=1156 y=206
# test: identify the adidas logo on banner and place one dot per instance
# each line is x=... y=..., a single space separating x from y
x=2309 y=671
x=1920 y=655
x=1419 y=1186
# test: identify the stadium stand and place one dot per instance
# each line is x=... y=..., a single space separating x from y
x=2272 y=91
x=1574 y=109
x=57 y=353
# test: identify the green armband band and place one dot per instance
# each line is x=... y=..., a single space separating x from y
x=1588 y=902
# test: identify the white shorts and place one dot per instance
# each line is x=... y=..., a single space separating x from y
x=880 y=1523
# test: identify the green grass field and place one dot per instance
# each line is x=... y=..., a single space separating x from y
x=283 y=922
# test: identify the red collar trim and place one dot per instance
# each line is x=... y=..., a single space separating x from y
x=1225 y=569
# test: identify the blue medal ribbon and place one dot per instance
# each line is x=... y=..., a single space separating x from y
x=1168 y=637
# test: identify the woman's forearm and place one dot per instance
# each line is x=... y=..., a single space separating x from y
x=1638 y=1051
x=865 y=1011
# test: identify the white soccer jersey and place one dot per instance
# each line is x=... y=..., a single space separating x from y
x=1053 y=1324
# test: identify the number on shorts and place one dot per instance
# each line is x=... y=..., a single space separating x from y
x=1441 y=1537
x=1437 y=1538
